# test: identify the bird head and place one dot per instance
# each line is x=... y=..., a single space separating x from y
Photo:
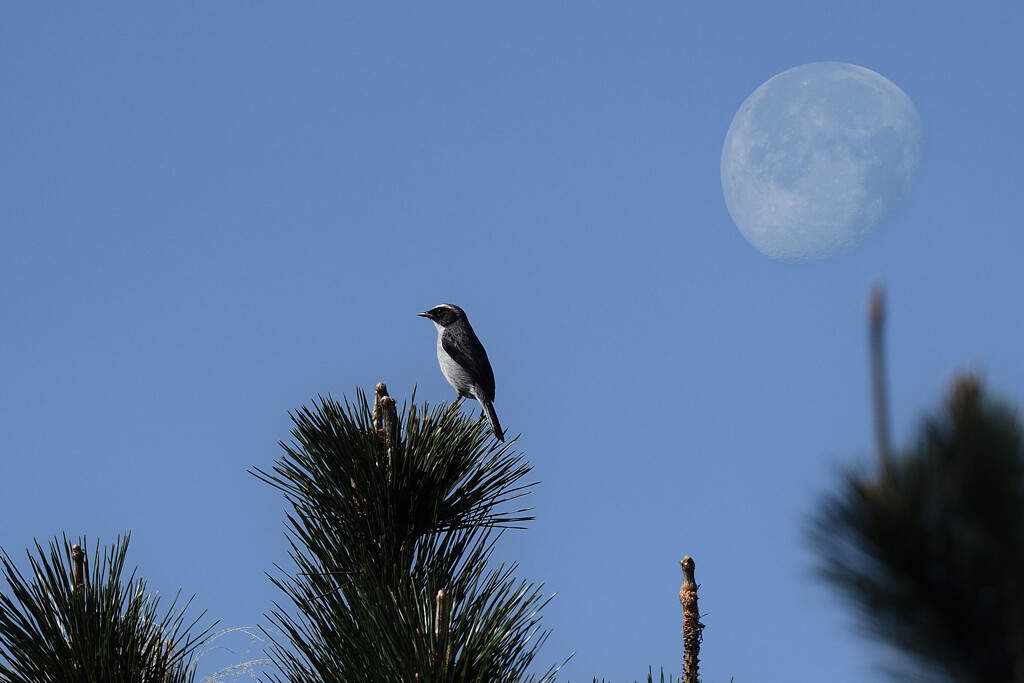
x=444 y=315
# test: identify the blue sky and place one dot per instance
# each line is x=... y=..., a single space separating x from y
x=212 y=212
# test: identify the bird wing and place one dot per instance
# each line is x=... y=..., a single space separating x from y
x=468 y=352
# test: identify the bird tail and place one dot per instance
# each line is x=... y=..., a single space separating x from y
x=492 y=418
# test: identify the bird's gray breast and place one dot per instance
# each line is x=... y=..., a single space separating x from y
x=454 y=373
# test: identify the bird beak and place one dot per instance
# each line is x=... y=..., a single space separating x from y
x=424 y=315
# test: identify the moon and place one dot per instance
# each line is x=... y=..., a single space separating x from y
x=817 y=157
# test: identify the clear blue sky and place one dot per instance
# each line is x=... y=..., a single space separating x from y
x=212 y=212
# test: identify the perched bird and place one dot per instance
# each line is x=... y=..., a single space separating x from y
x=463 y=359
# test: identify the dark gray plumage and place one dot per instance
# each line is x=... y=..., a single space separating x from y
x=463 y=360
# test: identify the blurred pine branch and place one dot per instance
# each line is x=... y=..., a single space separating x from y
x=929 y=545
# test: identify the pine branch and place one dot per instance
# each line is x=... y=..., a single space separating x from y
x=932 y=554
x=66 y=624
x=394 y=518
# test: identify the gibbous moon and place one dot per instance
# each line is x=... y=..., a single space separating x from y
x=817 y=157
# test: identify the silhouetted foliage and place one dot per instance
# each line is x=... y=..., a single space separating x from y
x=101 y=628
x=932 y=553
x=392 y=527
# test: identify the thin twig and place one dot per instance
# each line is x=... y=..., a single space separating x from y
x=693 y=629
x=876 y=340
x=441 y=627
x=380 y=391
x=78 y=567
x=392 y=433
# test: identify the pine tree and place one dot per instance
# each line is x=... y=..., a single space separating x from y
x=930 y=548
x=66 y=624
x=392 y=524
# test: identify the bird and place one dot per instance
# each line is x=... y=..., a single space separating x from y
x=463 y=360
